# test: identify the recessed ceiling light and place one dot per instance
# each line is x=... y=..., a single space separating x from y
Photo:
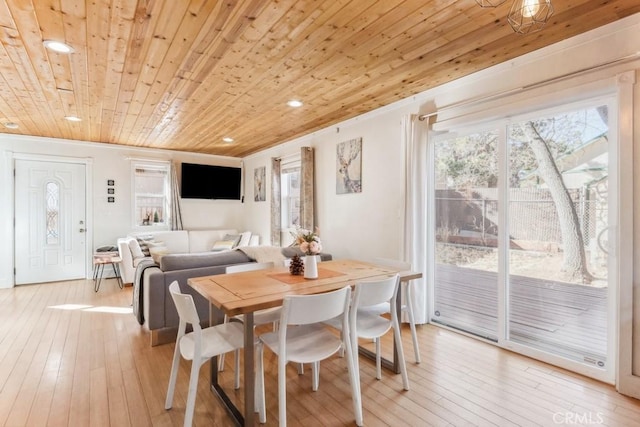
x=294 y=103
x=11 y=125
x=73 y=118
x=227 y=139
x=56 y=46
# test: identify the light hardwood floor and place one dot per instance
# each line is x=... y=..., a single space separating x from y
x=69 y=356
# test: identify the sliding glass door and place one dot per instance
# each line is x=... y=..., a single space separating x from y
x=466 y=232
x=558 y=216
x=522 y=218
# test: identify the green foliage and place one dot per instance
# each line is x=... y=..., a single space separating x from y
x=471 y=161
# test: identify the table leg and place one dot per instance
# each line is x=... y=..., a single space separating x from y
x=97 y=277
x=116 y=271
x=249 y=371
x=216 y=317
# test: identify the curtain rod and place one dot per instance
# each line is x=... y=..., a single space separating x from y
x=140 y=159
x=502 y=94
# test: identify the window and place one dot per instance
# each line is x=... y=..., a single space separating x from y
x=290 y=178
x=151 y=194
x=290 y=182
x=52 y=195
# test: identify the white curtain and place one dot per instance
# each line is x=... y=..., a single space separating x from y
x=414 y=144
x=176 y=210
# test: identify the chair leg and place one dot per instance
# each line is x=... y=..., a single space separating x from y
x=282 y=391
x=172 y=377
x=412 y=324
x=236 y=375
x=221 y=357
x=191 y=398
x=221 y=362
x=378 y=360
x=315 y=375
x=401 y=360
x=300 y=368
x=354 y=379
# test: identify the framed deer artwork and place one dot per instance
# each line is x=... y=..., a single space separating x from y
x=349 y=166
x=259 y=182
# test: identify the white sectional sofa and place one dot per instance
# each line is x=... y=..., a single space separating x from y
x=174 y=242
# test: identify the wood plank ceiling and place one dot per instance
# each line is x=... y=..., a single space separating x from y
x=181 y=75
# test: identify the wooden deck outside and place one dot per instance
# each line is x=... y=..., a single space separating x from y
x=563 y=318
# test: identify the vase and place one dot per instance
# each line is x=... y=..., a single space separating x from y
x=310 y=267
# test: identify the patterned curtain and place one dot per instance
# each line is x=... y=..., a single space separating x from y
x=276 y=216
x=176 y=211
x=307 y=188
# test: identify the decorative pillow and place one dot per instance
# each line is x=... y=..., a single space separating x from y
x=234 y=237
x=134 y=247
x=223 y=245
x=144 y=244
x=245 y=238
x=264 y=254
x=157 y=252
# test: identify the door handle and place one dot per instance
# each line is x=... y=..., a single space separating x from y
x=599 y=240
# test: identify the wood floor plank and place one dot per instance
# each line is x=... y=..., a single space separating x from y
x=70 y=356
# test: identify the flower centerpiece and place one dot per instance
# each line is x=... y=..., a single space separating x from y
x=310 y=244
x=308 y=241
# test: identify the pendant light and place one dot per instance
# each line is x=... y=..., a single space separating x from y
x=529 y=16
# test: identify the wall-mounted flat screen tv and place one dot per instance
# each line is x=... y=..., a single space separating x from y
x=210 y=182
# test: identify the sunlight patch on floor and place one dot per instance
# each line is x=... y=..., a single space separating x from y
x=100 y=309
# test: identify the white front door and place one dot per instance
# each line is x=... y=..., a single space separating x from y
x=50 y=222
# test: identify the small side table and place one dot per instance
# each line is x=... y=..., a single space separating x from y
x=100 y=259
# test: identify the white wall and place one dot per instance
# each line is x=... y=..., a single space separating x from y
x=110 y=220
x=358 y=225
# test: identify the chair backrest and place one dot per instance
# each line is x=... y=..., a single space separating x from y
x=374 y=292
x=251 y=266
x=184 y=305
x=307 y=309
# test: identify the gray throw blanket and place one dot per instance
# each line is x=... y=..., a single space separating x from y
x=138 y=286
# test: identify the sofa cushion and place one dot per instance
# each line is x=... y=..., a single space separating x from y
x=158 y=251
x=203 y=240
x=245 y=238
x=223 y=245
x=233 y=237
x=264 y=254
x=172 y=262
x=134 y=247
x=145 y=243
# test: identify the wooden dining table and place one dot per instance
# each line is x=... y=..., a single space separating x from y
x=247 y=292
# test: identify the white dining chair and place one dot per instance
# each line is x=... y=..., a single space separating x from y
x=371 y=325
x=260 y=317
x=406 y=306
x=303 y=338
x=287 y=263
x=198 y=346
